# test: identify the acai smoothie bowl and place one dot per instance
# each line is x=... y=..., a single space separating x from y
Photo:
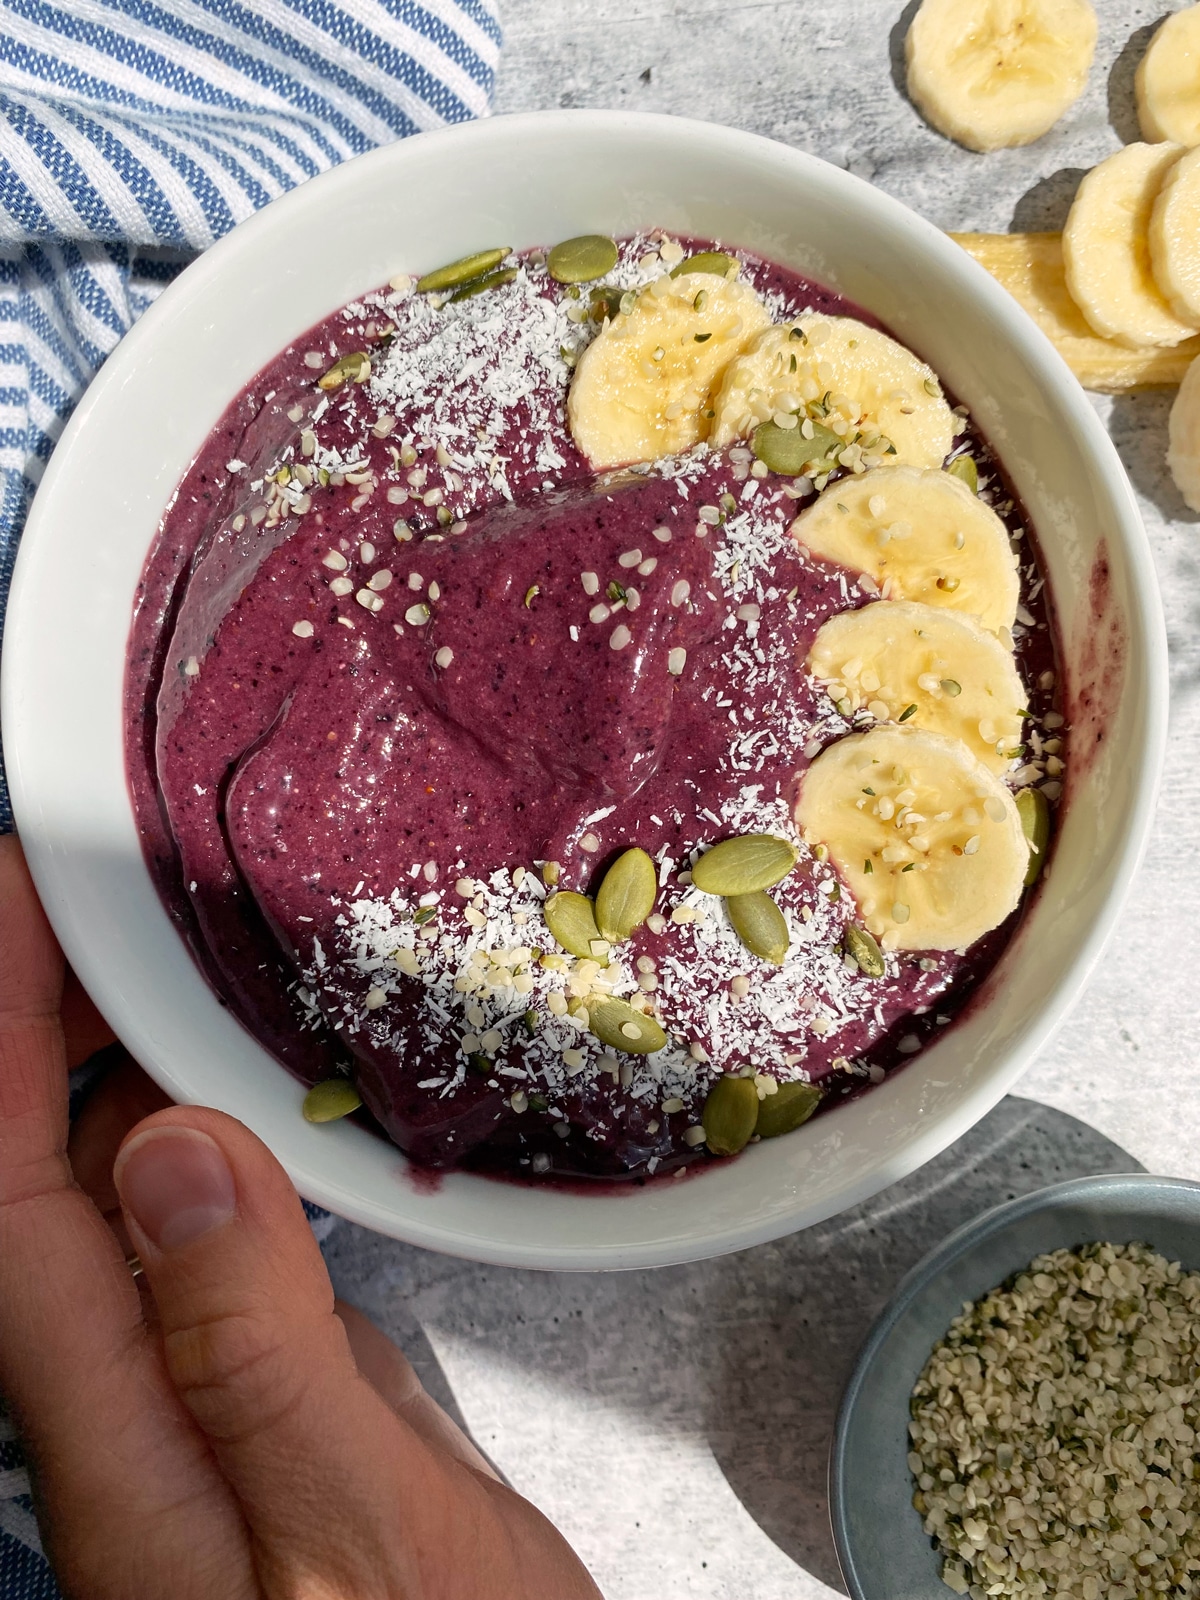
x=610 y=691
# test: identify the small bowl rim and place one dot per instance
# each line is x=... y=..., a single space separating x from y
x=987 y=1225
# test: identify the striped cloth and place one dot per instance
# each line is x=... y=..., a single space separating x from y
x=135 y=132
x=132 y=134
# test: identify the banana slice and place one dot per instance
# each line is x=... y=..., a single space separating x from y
x=928 y=840
x=993 y=73
x=644 y=384
x=1030 y=267
x=879 y=393
x=1168 y=81
x=933 y=669
x=1183 y=453
x=1175 y=238
x=1106 y=248
x=921 y=535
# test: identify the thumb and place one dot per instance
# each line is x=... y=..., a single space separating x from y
x=335 y=1487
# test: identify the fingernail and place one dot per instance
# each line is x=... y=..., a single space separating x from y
x=176 y=1185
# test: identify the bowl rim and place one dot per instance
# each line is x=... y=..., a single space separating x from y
x=1096 y=1187
x=52 y=873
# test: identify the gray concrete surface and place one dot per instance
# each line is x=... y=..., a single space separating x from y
x=675 y=1424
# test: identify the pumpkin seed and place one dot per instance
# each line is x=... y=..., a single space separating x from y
x=729 y=1115
x=352 y=368
x=964 y=467
x=330 y=1100
x=1034 y=811
x=461 y=271
x=786 y=450
x=571 y=918
x=744 y=864
x=792 y=1104
x=714 y=261
x=626 y=897
x=616 y=1024
x=859 y=944
x=580 y=260
x=759 y=924
x=606 y=302
x=492 y=280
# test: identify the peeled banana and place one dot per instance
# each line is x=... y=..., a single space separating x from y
x=1106 y=248
x=1175 y=238
x=1183 y=453
x=643 y=386
x=921 y=535
x=928 y=841
x=1168 y=81
x=992 y=73
x=848 y=376
x=927 y=668
x=1030 y=267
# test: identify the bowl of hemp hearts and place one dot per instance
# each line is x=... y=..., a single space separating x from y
x=1024 y=1418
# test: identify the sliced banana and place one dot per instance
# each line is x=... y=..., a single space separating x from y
x=643 y=386
x=993 y=73
x=934 y=669
x=921 y=535
x=1030 y=267
x=878 y=390
x=1183 y=453
x=1175 y=238
x=1168 y=81
x=927 y=839
x=1106 y=248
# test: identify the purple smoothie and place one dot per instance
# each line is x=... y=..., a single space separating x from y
x=371 y=692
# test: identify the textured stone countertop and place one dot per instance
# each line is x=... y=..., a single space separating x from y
x=676 y=1424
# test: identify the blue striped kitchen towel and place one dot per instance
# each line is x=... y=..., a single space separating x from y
x=135 y=132
x=132 y=134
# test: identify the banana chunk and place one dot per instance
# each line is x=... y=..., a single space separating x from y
x=921 y=535
x=993 y=73
x=878 y=391
x=1183 y=453
x=1106 y=248
x=928 y=841
x=1030 y=267
x=643 y=386
x=1167 y=84
x=1175 y=238
x=937 y=670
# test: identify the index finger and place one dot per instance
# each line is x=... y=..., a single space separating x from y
x=112 y=1450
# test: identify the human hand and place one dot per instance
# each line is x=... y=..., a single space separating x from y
x=229 y=1435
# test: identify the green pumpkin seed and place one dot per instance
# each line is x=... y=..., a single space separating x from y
x=859 y=944
x=490 y=280
x=352 y=368
x=729 y=1115
x=616 y=1024
x=792 y=1104
x=571 y=918
x=583 y=259
x=462 y=271
x=1034 y=810
x=964 y=467
x=744 y=864
x=328 y=1101
x=626 y=897
x=714 y=261
x=759 y=924
x=787 y=451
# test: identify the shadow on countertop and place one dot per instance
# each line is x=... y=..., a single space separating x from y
x=747 y=1354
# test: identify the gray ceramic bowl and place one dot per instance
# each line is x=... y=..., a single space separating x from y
x=884 y=1553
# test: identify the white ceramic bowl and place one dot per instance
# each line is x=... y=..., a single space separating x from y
x=528 y=180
